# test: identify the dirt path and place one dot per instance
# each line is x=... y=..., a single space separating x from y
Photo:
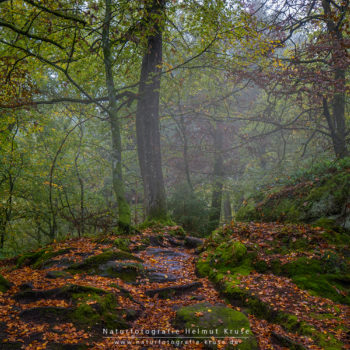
x=148 y=303
x=167 y=266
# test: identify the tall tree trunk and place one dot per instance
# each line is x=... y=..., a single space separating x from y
x=336 y=120
x=218 y=175
x=147 y=117
x=185 y=154
x=124 y=214
x=227 y=208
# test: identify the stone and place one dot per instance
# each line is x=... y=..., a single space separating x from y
x=205 y=320
x=161 y=277
x=26 y=286
x=162 y=251
x=167 y=292
x=285 y=341
x=127 y=271
x=193 y=242
x=58 y=274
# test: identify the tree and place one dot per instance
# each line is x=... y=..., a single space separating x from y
x=117 y=172
x=147 y=115
x=310 y=61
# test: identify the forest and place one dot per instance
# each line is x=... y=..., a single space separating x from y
x=174 y=174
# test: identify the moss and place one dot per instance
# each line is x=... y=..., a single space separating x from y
x=156 y=223
x=303 y=200
x=260 y=266
x=247 y=213
x=29 y=258
x=202 y=318
x=75 y=289
x=326 y=223
x=39 y=258
x=230 y=253
x=224 y=267
x=122 y=243
x=58 y=274
x=203 y=267
x=128 y=272
x=303 y=266
x=43 y=260
x=103 y=239
x=5 y=285
x=95 y=309
x=287 y=321
x=322 y=285
x=176 y=231
x=85 y=315
x=327 y=341
x=96 y=260
x=312 y=275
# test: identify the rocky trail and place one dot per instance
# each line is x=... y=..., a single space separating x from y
x=144 y=292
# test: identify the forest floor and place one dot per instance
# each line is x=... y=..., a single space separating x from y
x=46 y=309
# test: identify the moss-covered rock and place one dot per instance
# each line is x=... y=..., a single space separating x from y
x=93 y=309
x=226 y=261
x=40 y=258
x=204 y=320
x=70 y=291
x=128 y=272
x=324 y=197
x=122 y=243
x=229 y=257
x=29 y=258
x=45 y=259
x=320 y=277
x=58 y=274
x=5 y=285
x=94 y=261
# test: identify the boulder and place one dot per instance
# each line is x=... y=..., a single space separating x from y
x=158 y=277
x=127 y=271
x=92 y=264
x=66 y=292
x=205 y=320
x=193 y=242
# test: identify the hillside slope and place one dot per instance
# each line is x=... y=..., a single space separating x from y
x=322 y=194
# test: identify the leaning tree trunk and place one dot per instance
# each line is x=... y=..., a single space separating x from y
x=124 y=214
x=218 y=177
x=147 y=118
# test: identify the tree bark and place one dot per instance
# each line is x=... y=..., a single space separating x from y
x=336 y=121
x=218 y=175
x=227 y=208
x=124 y=214
x=147 y=117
